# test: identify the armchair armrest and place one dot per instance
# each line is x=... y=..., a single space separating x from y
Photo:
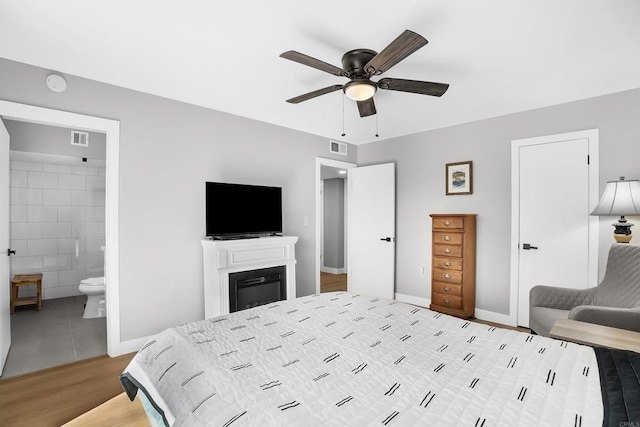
x=621 y=318
x=560 y=298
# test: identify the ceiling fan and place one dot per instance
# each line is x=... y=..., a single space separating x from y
x=359 y=65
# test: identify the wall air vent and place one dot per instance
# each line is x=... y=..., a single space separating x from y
x=80 y=139
x=337 y=147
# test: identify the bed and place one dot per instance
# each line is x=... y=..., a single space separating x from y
x=343 y=359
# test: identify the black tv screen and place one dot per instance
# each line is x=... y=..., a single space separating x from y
x=242 y=210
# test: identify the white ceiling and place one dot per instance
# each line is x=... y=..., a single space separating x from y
x=499 y=56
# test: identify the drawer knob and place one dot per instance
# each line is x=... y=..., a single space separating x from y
x=446 y=276
x=447 y=264
x=447 y=223
x=447 y=250
x=446 y=238
x=447 y=289
x=447 y=301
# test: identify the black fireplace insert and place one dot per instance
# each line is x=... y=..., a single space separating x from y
x=252 y=288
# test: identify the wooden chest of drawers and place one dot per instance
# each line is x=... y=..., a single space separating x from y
x=453 y=264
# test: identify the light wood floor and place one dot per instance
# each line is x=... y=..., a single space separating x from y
x=118 y=411
x=332 y=282
x=54 y=396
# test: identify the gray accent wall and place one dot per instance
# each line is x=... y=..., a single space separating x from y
x=421 y=159
x=168 y=149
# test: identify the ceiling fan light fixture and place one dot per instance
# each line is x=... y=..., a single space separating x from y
x=359 y=90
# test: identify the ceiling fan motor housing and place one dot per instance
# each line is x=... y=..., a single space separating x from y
x=354 y=61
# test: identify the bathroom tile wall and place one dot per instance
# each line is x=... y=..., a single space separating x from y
x=57 y=208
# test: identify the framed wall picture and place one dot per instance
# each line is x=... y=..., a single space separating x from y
x=459 y=178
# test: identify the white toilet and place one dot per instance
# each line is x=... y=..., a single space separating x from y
x=93 y=288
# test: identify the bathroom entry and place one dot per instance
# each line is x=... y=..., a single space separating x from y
x=57 y=227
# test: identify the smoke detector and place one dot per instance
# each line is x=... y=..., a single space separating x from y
x=56 y=83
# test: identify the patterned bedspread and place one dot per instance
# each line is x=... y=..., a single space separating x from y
x=341 y=359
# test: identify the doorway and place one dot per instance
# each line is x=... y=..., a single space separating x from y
x=57 y=205
x=28 y=113
x=554 y=239
x=331 y=241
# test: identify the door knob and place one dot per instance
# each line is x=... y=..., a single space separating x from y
x=386 y=239
x=10 y=252
x=527 y=246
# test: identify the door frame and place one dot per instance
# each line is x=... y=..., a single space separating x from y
x=50 y=117
x=593 y=135
x=321 y=161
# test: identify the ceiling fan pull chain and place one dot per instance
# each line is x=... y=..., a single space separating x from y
x=377 y=125
x=343 y=134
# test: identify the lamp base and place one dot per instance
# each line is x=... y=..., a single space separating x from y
x=622 y=233
x=623 y=238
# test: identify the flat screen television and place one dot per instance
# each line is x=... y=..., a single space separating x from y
x=239 y=210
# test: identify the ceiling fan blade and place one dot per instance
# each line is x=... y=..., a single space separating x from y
x=301 y=58
x=403 y=46
x=367 y=107
x=413 y=86
x=313 y=94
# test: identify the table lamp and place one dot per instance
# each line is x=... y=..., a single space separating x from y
x=620 y=198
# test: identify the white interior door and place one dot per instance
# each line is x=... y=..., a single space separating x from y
x=554 y=201
x=5 y=289
x=371 y=230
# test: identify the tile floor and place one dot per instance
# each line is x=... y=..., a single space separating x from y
x=56 y=335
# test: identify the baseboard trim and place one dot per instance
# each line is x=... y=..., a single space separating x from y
x=421 y=302
x=492 y=316
x=489 y=316
x=131 y=346
x=332 y=270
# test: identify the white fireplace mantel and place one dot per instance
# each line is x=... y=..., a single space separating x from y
x=221 y=257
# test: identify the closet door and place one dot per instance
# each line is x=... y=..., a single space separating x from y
x=556 y=237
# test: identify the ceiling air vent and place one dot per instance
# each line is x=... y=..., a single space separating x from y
x=338 y=147
x=80 y=139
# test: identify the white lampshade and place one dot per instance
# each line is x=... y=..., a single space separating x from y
x=359 y=91
x=619 y=198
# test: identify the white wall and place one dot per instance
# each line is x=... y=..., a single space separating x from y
x=421 y=160
x=168 y=150
x=56 y=221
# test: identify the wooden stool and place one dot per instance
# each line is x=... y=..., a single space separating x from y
x=34 y=279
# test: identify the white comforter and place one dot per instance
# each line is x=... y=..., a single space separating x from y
x=341 y=359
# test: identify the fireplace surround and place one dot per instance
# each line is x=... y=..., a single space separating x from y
x=221 y=258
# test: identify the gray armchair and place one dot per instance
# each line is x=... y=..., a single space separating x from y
x=614 y=302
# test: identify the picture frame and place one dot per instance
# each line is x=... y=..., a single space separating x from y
x=459 y=178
